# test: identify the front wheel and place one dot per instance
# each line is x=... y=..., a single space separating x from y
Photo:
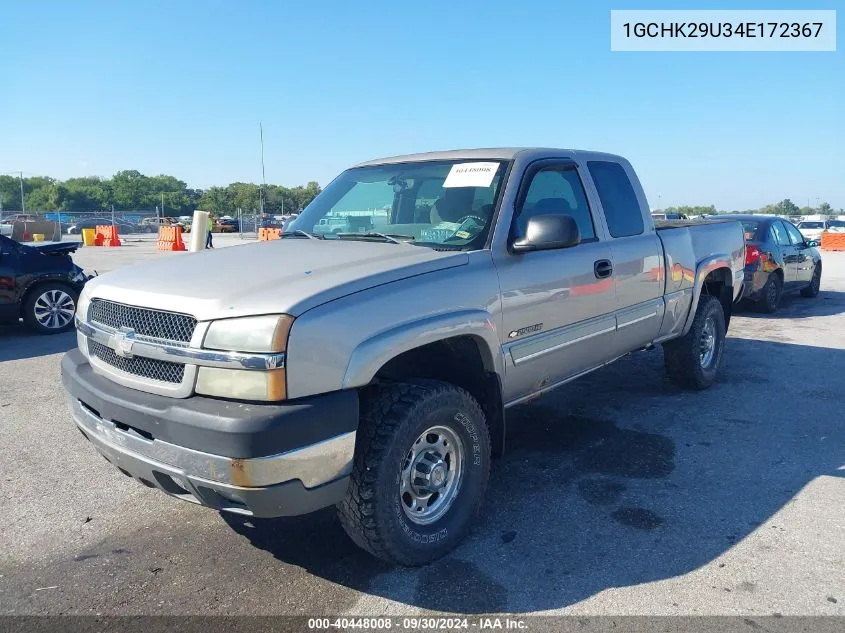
x=50 y=308
x=693 y=360
x=422 y=461
x=813 y=289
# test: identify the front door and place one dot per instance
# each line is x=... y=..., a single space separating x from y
x=788 y=252
x=558 y=305
x=804 y=262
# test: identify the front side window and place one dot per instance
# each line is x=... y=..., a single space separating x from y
x=556 y=190
x=779 y=234
x=794 y=234
x=618 y=199
x=446 y=204
x=811 y=225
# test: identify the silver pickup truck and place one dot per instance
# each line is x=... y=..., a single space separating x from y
x=373 y=368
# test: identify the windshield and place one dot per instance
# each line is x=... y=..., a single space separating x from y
x=445 y=204
x=811 y=225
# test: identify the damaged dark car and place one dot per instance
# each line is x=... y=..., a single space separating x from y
x=40 y=284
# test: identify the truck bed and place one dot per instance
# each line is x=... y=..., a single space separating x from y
x=675 y=224
x=695 y=242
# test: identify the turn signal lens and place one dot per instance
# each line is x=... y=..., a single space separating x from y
x=240 y=384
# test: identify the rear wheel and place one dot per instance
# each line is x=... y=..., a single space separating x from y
x=693 y=360
x=813 y=289
x=422 y=460
x=772 y=292
x=50 y=308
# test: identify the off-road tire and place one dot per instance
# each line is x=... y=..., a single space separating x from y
x=682 y=357
x=812 y=290
x=392 y=418
x=772 y=292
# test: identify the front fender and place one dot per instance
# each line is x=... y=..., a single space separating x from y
x=373 y=353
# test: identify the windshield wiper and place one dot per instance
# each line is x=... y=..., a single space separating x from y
x=440 y=246
x=387 y=237
x=300 y=233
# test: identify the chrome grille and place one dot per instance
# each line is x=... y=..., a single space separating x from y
x=160 y=370
x=170 y=326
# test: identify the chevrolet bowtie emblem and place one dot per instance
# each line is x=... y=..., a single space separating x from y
x=122 y=341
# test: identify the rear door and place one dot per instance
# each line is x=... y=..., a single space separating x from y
x=804 y=262
x=638 y=274
x=780 y=236
x=557 y=305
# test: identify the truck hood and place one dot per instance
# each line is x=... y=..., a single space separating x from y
x=287 y=276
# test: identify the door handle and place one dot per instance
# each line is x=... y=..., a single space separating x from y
x=603 y=268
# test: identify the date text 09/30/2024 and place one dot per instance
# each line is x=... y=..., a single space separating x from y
x=485 y=623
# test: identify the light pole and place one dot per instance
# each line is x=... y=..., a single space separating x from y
x=23 y=206
x=161 y=209
x=20 y=178
x=263 y=179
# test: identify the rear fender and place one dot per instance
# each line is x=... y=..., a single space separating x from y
x=705 y=267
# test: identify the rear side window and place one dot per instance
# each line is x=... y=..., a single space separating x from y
x=620 y=204
x=750 y=227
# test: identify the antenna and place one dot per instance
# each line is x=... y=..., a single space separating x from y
x=263 y=179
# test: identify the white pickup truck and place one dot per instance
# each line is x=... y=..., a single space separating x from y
x=374 y=369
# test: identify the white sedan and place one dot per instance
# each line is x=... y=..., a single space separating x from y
x=811 y=229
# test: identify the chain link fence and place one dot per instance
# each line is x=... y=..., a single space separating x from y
x=244 y=223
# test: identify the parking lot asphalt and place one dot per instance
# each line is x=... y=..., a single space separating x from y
x=620 y=494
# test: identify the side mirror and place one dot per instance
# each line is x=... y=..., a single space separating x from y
x=812 y=243
x=547 y=232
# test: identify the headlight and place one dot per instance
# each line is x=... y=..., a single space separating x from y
x=260 y=334
x=242 y=384
x=267 y=333
x=82 y=304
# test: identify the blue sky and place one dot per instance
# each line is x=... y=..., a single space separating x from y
x=179 y=88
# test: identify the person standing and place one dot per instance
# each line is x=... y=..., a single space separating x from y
x=208 y=241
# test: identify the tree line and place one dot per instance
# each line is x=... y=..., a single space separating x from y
x=784 y=207
x=130 y=190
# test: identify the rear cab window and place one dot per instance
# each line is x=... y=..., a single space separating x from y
x=618 y=199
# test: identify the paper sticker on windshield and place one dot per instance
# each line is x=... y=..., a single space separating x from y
x=471 y=175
